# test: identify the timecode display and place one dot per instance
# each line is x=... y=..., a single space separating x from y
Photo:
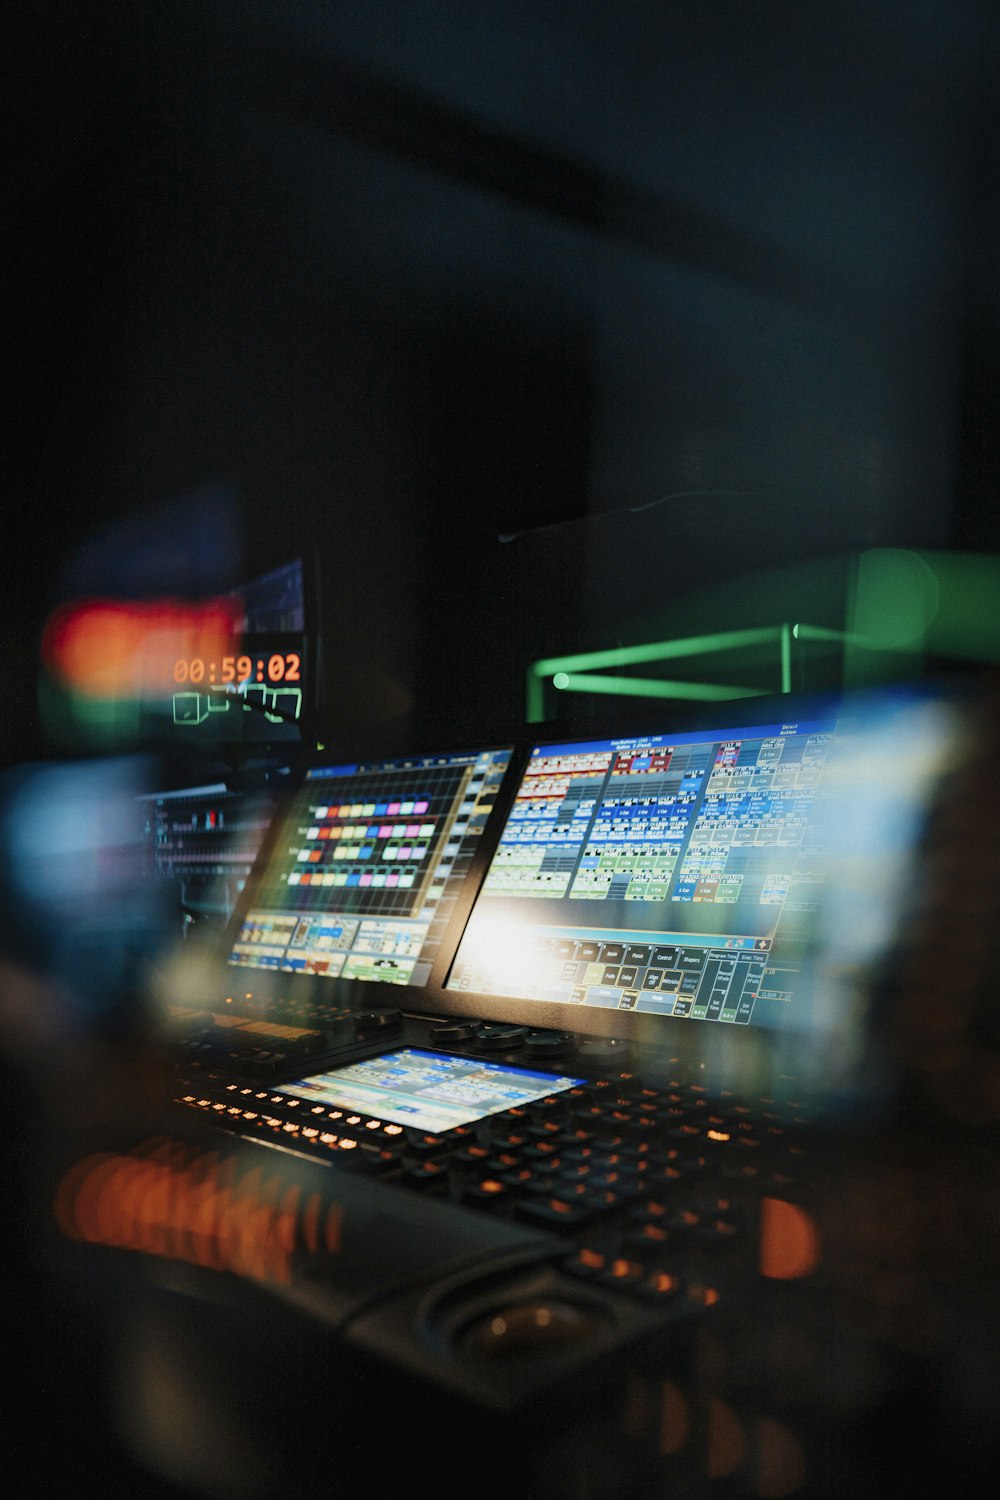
x=279 y=666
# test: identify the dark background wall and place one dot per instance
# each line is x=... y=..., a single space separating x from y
x=668 y=294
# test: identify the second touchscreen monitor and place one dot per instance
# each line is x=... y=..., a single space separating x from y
x=363 y=875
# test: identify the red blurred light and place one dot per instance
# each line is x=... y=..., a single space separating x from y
x=120 y=649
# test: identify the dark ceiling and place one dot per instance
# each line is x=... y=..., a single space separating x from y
x=532 y=320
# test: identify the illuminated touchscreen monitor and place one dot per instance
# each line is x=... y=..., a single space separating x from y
x=689 y=874
x=364 y=872
x=432 y=1091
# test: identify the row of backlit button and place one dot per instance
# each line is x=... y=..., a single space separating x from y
x=297 y=1122
x=656 y=1285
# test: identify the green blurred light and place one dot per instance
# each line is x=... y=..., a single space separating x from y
x=567 y=672
x=534 y=708
x=967 y=621
x=902 y=606
x=653 y=687
x=786 y=659
x=897 y=597
x=803 y=632
x=81 y=721
x=635 y=656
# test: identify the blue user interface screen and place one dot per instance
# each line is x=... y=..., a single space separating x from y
x=431 y=1091
x=707 y=874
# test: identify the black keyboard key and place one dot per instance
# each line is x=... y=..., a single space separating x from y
x=470 y=1157
x=509 y=1140
x=426 y=1174
x=622 y=1273
x=488 y=1192
x=380 y=1163
x=540 y=1151
x=423 y=1143
x=554 y=1213
x=719 y=1231
x=660 y=1287
x=501 y=1161
x=648 y=1237
x=586 y=1262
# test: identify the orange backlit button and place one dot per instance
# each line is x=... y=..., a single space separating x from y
x=485 y=1193
x=586 y=1262
x=502 y=1161
x=518 y=1176
x=660 y=1286
x=553 y=1213
x=541 y=1106
x=622 y=1273
x=425 y=1144
x=603 y=1200
x=509 y=1140
x=718 y=1231
x=683 y=1219
x=542 y=1151
x=470 y=1156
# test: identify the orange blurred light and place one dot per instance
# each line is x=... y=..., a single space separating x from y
x=781 y=1466
x=125 y=649
x=726 y=1440
x=675 y=1419
x=163 y=1201
x=789 y=1241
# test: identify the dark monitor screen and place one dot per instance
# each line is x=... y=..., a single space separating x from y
x=365 y=868
x=703 y=875
x=274 y=601
x=260 y=685
x=202 y=841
